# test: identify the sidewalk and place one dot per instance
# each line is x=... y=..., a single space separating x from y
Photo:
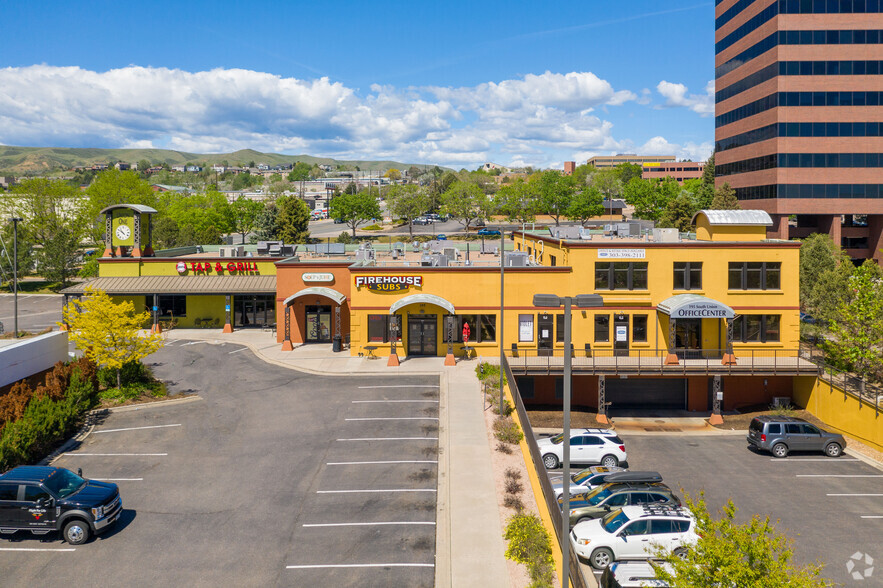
x=469 y=542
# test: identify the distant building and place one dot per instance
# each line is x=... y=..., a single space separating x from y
x=263 y=167
x=194 y=169
x=179 y=168
x=168 y=188
x=122 y=166
x=154 y=169
x=611 y=161
x=678 y=170
x=220 y=169
x=491 y=166
x=7 y=182
x=569 y=166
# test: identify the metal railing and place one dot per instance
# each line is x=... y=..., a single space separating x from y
x=576 y=576
x=846 y=381
x=653 y=361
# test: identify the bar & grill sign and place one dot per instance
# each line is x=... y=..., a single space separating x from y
x=389 y=283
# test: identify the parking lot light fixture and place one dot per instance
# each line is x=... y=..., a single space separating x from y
x=15 y=220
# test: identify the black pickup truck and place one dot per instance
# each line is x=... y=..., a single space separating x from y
x=41 y=499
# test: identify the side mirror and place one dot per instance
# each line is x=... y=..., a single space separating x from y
x=80 y=472
x=45 y=503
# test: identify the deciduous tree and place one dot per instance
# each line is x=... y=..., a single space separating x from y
x=586 y=203
x=464 y=202
x=244 y=213
x=407 y=202
x=517 y=202
x=355 y=209
x=113 y=186
x=393 y=174
x=553 y=191
x=293 y=219
x=858 y=325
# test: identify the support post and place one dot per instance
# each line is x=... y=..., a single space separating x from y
x=502 y=322
x=449 y=333
x=716 y=396
x=148 y=251
x=64 y=302
x=286 y=341
x=729 y=357
x=108 y=235
x=602 y=401
x=565 y=490
x=672 y=357
x=393 y=332
x=155 y=311
x=15 y=221
x=228 y=324
x=136 y=251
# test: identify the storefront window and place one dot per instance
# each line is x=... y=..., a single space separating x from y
x=756 y=328
x=378 y=328
x=172 y=305
x=639 y=328
x=602 y=328
x=488 y=327
x=525 y=327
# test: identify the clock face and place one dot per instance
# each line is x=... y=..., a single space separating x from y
x=123 y=232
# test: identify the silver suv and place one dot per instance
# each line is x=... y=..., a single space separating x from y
x=781 y=434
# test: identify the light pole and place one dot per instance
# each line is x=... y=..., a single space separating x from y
x=500 y=338
x=554 y=301
x=15 y=220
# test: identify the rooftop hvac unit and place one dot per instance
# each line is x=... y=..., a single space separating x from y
x=450 y=252
x=440 y=260
x=665 y=235
x=234 y=251
x=516 y=259
x=426 y=260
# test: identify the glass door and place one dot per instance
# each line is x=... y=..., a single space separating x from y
x=621 y=335
x=422 y=334
x=318 y=324
x=688 y=338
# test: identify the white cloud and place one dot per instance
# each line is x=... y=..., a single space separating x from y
x=537 y=119
x=660 y=146
x=676 y=96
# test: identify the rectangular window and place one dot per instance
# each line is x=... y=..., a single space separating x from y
x=525 y=328
x=756 y=328
x=688 y=275
x=172 y=305
x=755 y=275
x=639 y=328
x=621 y=275
x=488 y=327
x=378 y=328
x=602 y=328
x=482 y=328
x=525 y=387
x=552 y=261
x=559 y=328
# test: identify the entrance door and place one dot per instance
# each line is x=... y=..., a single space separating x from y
x=318 y=321
x=545 y=335
x=422 y=334
x=688 y=338
x=621 y=335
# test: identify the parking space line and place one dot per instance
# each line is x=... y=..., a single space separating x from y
x=36 y=549
x=392 y=439
x=380 y=462
x=386 y=490
x=399 y=386
x=840 y=475
x=119 y=479
x=115 y=454
x=388 y=401
x=800 y=459
x=383 y=565
x=872 y=516
x=237 y=351
x=853 y=494
x=369 y=524
x=395 y=419
x=137 y=428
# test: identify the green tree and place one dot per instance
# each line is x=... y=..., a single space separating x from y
x=25 y=250
x=208 y=214
x=393 y=174
x=464 y=202
x=679 y=212
x=725 y=199
x=517 y=202
x=300 y=172
x=266 y=225
x=650 y=197
x=586 y=204
x=165 y=233
x=109 y=333
x=59 y=258
x=609 y=182
x=113 y=186
x=293 y=219
x=626 y=171
x=554 y=192
x=143 y=165
x=244 y=213
x=730 y=553
x=820 y=260
x=858 y=327
x=355 y=209
x=407 y=202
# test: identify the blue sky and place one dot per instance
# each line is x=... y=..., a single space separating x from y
x=455 y=83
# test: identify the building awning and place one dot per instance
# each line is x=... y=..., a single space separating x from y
x=136 y=207
x=422 y=299
x=317 y=291
x=736 y=217
x=685 y=306
x=178 y=285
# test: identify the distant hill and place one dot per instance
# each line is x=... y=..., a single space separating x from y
x=28 y=160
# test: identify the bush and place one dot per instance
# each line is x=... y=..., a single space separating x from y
x=530 y=545
x=345 y=237
x=782 y=410
x=374 y=227
x=513 y=486
x=132 y=372
x=513 y=474
x=503 y=448
x=507 y=407
x=507 y=431
x=489 y=373
x=513 y=502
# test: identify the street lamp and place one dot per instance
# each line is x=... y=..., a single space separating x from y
x=15 y=220
x=553 y=301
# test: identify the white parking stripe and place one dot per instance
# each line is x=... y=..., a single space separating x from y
x=138 y=428
x=840 y=475
x=388 y=490
x=115 y=454
x=872 y=516
x=800 y=459
x=378 y=462
x=383 y=565
x=238 y=350
x=853 y=494
x=386 y=401
x=392 y=439
x=395 y=419
x=192 y=343
x=34 y=549
x=369 y=524
x=119 y=479
x=398 y=386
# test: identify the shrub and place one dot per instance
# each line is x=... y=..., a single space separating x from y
x=345 y=237
x=374 y=227
x=503 y=448
x=131 y=372
x=122 y=394
x=507 y=431
x=512 y=473
x=782 y=410
x=513 y=502
x=513 y=486
x=507 y=407
x=14 y=402
x=530 y=545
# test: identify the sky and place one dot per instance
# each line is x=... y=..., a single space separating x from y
x=451 y=83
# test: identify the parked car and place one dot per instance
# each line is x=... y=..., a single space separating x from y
x=338 y=221
x=422 y=220
x=488 y=233
x=647 y=489
x=479 y=223
x=632 y=574
x=584 y=480
x=781 y=434
x=632 y=532
x=441 y=237
x=597 y=446
x=41 y=499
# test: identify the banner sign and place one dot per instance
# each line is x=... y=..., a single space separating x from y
x=621 y=254
x=218 y=267
x=317 y=277
x=701 y=310
x=389 y=283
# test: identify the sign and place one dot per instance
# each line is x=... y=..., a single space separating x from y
x=702 y=310
x=389 y=283
x=155 y=308
x=317 y=277
x=218 y=267
x=227 y=308
x=525 y=327
x=621 y=254
x=622 y=333
x=181 y=267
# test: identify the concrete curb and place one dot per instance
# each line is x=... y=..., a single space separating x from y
x=142 y=406
x=443 y=572
x=861 y=457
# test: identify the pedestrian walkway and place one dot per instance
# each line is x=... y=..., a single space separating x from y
x=470 y=548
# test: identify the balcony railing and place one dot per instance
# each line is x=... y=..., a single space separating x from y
x=659 y=361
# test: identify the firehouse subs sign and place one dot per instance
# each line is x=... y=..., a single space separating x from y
x=389 y=283
x=217 y=267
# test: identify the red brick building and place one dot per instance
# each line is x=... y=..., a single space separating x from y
x=679 y=170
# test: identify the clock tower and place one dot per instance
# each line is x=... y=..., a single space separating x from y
x=125 y=230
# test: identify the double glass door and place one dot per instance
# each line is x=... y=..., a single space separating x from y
x=318 y=324
x=688 y=338
x=423 y=334
x=254 y=311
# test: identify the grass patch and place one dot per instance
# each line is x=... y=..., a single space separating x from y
x=374 y=227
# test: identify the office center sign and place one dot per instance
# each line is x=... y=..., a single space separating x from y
x=702 y=310
x=389 y=283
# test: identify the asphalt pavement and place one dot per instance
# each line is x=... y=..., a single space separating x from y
x=35 y=311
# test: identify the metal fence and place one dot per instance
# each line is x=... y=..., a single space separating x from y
x=576 y=576
x=848 y=382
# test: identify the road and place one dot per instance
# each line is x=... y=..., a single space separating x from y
x=35 y=311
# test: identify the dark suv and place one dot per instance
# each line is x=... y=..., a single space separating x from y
x=42 y=499
x=781 y=434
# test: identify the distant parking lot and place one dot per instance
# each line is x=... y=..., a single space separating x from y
x=273 y=478
x=36 y=312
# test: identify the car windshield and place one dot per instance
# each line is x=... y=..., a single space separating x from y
x=582 y=476
x=614 y=520
x=597 y=495
x=64 y=482
x=557 y=439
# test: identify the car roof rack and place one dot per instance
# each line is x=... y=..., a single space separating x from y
x=664 y=509
x=597 y=430
x=623 y=477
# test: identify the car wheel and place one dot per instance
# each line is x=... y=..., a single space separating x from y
x=609 y=461
x=780 y=450
x=601 y=558
x=76 y=532
x=550 y=461
x=833 y=450
x=681 y=553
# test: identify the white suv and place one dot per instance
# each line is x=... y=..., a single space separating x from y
x=584 y=480
x=590 y=446
x=632 y=532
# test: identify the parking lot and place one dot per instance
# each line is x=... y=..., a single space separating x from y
x=831 y=508
x=274 y=477
x=35 y=311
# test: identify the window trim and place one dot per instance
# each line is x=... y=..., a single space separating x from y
x=765 y=269
x=642 y=266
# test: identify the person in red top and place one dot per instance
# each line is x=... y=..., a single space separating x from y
x=466 y=331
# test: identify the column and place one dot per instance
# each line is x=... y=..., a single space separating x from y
x=63 y=326
x=393 y=336
x=148 y=251
x=875 y=237
x=155 y=311
x=780 y=229
x=672 y=357
x=136 y=251
x=830 y=223
x=449 y=333
x=286 y=342
x=602 y=401
x=108 y=235
x=729 y=357
x=717 y=396
x=228 y=325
